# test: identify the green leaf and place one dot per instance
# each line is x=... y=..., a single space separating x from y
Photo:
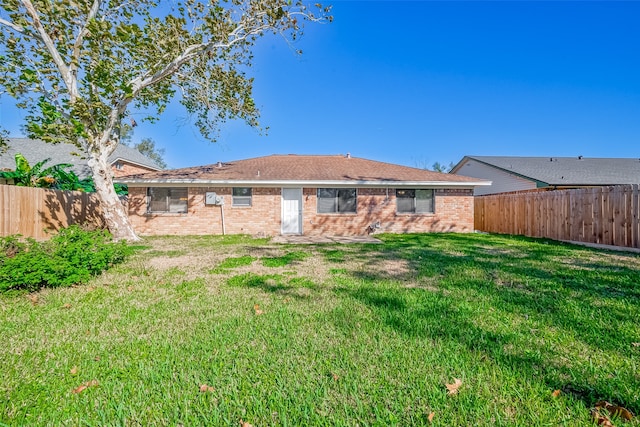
x=22 y=165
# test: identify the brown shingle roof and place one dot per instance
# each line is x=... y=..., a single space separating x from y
x=299 y=168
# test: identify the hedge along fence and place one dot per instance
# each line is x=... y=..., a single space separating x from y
x=36 y=212
x=604 y=215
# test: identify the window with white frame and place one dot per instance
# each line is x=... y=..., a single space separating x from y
x=167 y=199
x=337 y=200
x=241 y=196
x=414 y=201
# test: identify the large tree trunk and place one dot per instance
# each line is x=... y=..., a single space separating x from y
x=113 y=210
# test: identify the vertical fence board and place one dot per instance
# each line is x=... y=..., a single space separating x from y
x=617 y=207
x=596 y=207
x=635 y=220
x=606 y=217
x=575 y=216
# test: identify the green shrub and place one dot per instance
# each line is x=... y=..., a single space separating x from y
x=70 y=257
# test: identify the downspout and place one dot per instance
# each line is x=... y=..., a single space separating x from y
x=222 y=214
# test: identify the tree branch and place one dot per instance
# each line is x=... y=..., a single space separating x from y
x=75 y=55
x=46 y=92
x=55 y=55
x=239 y=34
x=141 y=82
x=18 y=28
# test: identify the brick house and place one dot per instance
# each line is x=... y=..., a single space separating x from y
x=124 y=160
x=299 y=194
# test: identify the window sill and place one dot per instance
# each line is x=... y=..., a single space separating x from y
x=241 y=207
x=166 y=213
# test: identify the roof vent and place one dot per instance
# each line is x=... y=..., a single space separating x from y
x=348 y=156
x=551 y=159
x=579 y=157
x=219 y=164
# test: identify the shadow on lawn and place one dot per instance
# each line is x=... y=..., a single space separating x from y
x=295 y=287
x=522 y=277
x=525 y=278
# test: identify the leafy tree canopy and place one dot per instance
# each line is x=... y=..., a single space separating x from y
x=439 y=167
x=148 y=147
x=79 y=67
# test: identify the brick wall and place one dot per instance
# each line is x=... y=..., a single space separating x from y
x=453 y=213
x=128 y=169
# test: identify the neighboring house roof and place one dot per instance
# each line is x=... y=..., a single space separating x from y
x=335 y=170
x=36 y=151
x=564 y=171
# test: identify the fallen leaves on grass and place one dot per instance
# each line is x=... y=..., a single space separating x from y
x=600 y=419
x=453 y=388
x=67 y=306
x=74 y=370
x=556 y=393
x=245 y=424
x=204 y=388
x=614 y=410
x=635 y=344
x=430 y=417
x=257 y=310
x=34 y=299
x=334 y=376
x=84 y=386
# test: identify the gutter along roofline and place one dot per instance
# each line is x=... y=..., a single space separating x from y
x=290 y=183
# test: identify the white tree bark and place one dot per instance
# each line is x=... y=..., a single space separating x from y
x=113 y=210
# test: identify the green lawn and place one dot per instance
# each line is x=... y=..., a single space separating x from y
x=212 y=331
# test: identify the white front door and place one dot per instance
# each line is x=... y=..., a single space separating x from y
x=292 y=211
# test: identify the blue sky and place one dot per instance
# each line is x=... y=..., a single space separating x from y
x=418 y=82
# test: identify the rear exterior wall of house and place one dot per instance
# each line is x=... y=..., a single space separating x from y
x=453 y=212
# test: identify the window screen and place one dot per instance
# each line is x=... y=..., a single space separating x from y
x=414 y=201
x=241 y=196
x=167 y=199
x=337 y=200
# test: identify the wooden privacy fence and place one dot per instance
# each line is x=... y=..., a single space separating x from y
x=36 y=212
x=605 y=215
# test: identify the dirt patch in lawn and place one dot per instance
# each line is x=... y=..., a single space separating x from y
x=312 y=265
x=398 y=269
x=319 y=263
